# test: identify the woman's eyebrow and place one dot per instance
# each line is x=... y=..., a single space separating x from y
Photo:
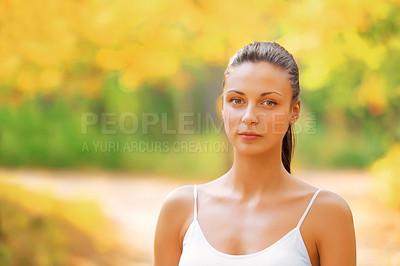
x=262 y=94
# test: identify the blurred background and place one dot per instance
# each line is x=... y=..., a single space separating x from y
x=107 y=106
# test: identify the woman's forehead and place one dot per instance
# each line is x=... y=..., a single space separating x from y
x=252 y=77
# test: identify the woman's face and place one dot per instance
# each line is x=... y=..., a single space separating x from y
x=257 y=99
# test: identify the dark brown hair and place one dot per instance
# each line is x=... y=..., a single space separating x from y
x=273 y=53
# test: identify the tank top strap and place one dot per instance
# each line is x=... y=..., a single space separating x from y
x=195 y=202
x=308 y=208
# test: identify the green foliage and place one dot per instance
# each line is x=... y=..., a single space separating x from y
x=55 y=135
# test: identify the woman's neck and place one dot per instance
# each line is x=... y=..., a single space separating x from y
x=252 y=176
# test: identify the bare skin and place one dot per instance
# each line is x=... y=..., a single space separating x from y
x=257 y=201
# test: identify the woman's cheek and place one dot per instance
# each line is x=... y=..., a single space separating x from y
x=279 y=123
x=231 y=123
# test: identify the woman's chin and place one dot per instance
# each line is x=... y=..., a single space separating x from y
x=249 y=151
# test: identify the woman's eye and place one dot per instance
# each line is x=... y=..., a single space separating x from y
x=270 y=103
x=235 y=100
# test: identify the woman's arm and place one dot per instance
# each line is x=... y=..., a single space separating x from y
x=168 y=234
x=335 y=235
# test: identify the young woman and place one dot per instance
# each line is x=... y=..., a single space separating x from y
x=257 y=213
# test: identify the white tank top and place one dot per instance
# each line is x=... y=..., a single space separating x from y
x=289 y=250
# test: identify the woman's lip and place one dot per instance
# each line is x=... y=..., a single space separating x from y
x=249 y=137
x=249 y=134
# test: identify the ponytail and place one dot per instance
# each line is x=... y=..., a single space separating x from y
x=288 y=143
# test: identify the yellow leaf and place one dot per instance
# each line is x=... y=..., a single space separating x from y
x=50 y=78
x=27 y=81
x=182 y=80
x=372 y=94
x=129 y=80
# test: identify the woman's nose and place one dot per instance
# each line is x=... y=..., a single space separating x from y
x=250 y=116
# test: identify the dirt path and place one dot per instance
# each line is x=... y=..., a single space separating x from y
x=133 y=202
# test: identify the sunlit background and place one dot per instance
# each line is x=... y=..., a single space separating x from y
x=107 y=106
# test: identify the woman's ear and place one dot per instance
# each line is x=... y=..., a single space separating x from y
x=295 y=112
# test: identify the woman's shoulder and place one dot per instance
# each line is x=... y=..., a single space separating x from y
x=328 y=209
x=333 y=227
x=177 y=205
x=179 y=198
x=331 y=203
x=327 y=203
x=171 y=220
x=326 y=198
x=332 y=216
x=177 y=210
